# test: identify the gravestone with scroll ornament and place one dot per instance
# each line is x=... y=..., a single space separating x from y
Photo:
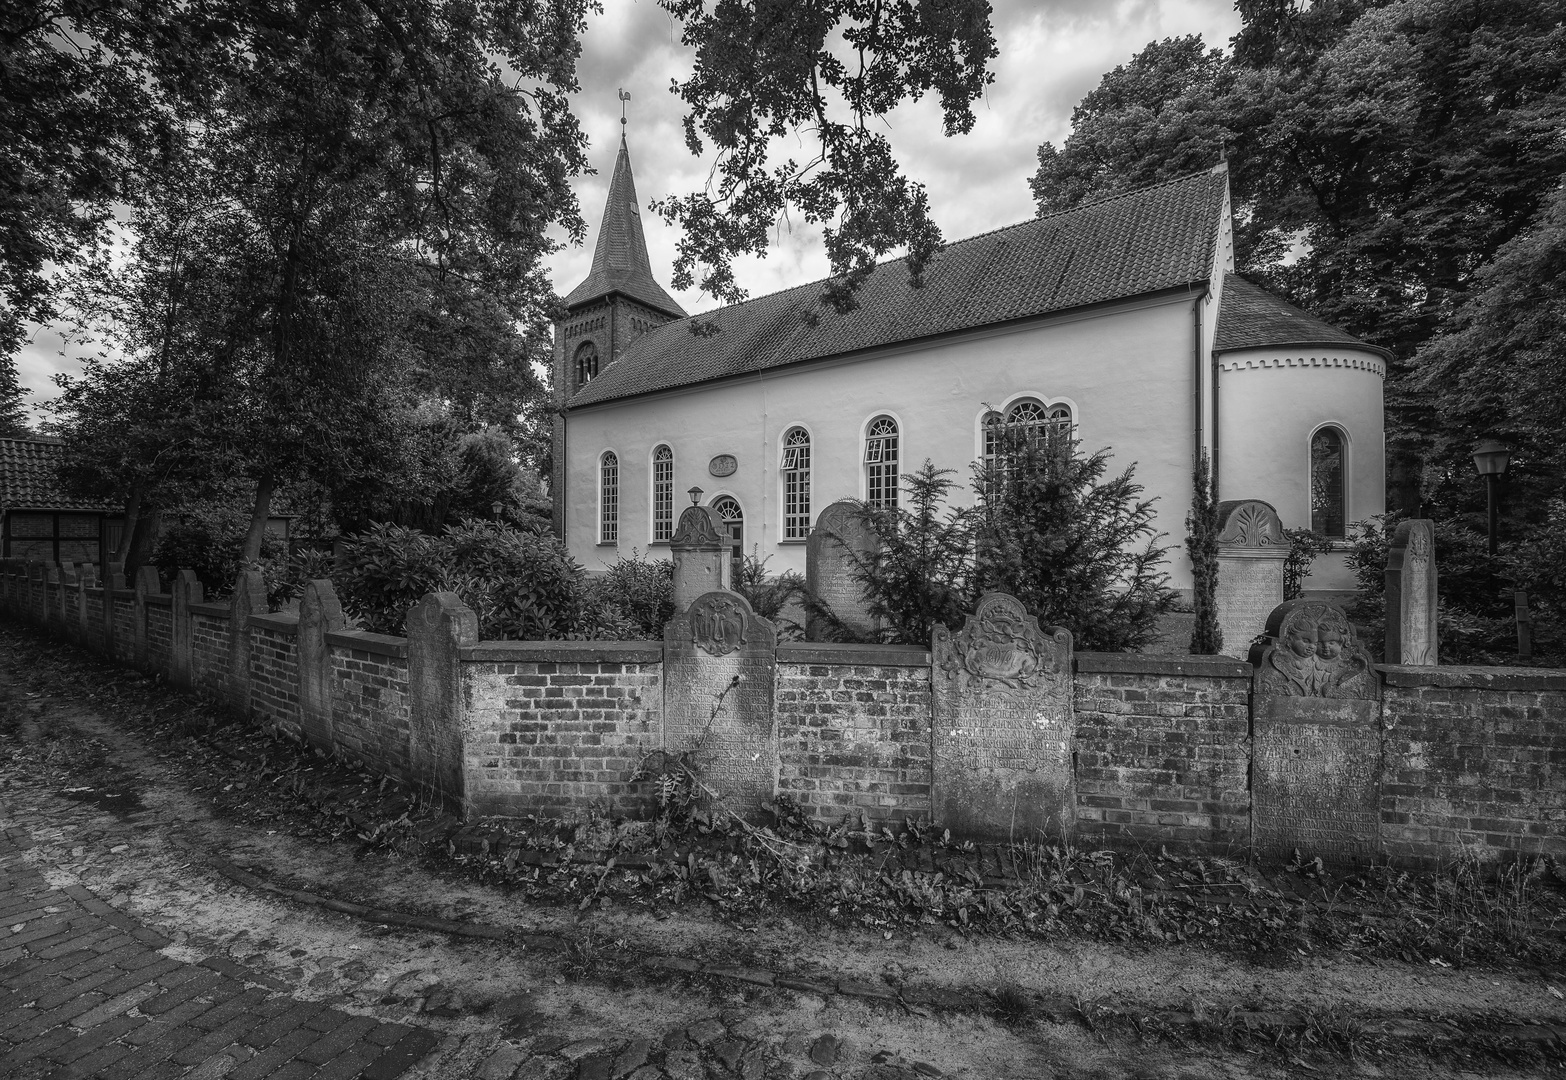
x=1251 y=553
x=702 y=555
x=839 y=535
x=1411 y=594
x=1315 y=739
x=719 y=659
x=1002 y=733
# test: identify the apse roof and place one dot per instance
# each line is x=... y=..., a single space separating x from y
x=1251 y=317
x=1142 y=241
x=30 y=480
x=620 y=261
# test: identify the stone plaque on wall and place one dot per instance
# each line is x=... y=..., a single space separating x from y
x=1411 y=594
x=829 y=569
x=1002 y=730
x=718 y=665
x=1316 y=739
x=1251 y=553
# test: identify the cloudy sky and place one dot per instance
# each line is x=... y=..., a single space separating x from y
x=1051 y=53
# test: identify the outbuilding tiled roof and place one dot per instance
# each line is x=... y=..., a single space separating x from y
x=1251 y=317
x=1138 y=242
x=29 y=478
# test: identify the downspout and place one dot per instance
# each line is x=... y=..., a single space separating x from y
x=1216 y=428
x=1196 y=377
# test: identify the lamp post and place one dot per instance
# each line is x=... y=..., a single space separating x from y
x=1491 y=459
x=695 y=494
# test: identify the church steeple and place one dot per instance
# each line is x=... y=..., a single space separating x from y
x=620 y=263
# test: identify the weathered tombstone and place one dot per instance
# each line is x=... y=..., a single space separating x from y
x=147 y=584
x=1315 y=738
x=187 y=590
x=115 y=583
x=700 y=548
x=839 y=534
x=1002 y=729
x=718 y=664
x=1251 y=553
x=438 y=627
x=1411 y=594
x=249 y=598
x=319 y=612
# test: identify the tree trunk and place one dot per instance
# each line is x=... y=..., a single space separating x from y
x=141 y=540
x=258 y=516
x=132 y=519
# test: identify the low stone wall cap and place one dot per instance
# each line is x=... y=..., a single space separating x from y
x=826 y=652
x=1474 y=677
x=1170 y=664
x=563 y=652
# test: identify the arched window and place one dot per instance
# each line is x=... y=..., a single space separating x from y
x=881 y=462
x=663 y=493
x=727 y=507
x=608 y=498
x=1328 y=493
x=795 y=470
x=586 y=363
x=1029 y=418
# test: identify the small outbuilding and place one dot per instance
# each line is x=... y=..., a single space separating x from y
x=40 y=519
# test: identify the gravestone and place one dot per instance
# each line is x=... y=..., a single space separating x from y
x=829 y=568
x=1315 y=739
x=248 y=598
x=86 y=579
x=1411 y=594
x=701 y=551
x=1251 y=553
x=438 y=627
x=719 y=659
x=319 y=612
x=147 y=584
x=182 y=645
x=1002 y=730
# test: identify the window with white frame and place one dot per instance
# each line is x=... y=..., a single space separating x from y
x=609 y=498
x=881 y=463
x=663 y=493
x=1028 y=418
x=728 y=508
x=795 y=471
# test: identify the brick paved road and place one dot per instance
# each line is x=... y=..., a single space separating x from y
x=88 y=992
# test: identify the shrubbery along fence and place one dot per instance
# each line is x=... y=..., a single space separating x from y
x=1207 y=754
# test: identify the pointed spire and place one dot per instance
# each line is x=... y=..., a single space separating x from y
x=620 y=262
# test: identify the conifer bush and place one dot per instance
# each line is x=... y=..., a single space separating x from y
x=1201 y=544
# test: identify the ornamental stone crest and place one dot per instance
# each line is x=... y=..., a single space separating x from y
x=697 y=529
x=722 y=465
x=1001 y=646
x=1248 y=523
x=718 y=624
x=1312 y=651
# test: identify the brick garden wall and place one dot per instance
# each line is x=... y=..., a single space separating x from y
x=1473 y=759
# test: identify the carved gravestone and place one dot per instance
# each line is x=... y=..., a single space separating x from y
x=248 y=598
x=439 y=626
x=182 y=645
x=718 y=664
x=701 y=551
x=319 y=612
x=1251 y=553
x=147 y=584
x=839 y=534
x=1003 y=729
x=1411 y=595
x=1315 y=739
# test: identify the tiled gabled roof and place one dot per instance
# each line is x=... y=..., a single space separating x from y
x=1251 y=317
x=620 y=262
x=29 y=477
x=1138 y=242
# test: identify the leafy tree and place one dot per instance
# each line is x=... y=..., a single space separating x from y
x=1201 y=544
x=13 y=418
x=823 y=71
x=1078 y=550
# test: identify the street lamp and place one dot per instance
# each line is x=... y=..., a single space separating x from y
x=695 y=494
x=1491 y=459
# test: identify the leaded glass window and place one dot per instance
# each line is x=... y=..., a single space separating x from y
x=881 y=462
x=1328 y=509
x=663 y=493
x=796 y=484
x=609 y=499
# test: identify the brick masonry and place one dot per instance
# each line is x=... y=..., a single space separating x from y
x=1473 y=759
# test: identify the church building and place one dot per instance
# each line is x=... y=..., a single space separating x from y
x=1121 y=321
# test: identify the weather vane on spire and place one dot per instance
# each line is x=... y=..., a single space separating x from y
x=625 y=96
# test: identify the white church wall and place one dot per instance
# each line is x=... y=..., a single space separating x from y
x=1126 y=371
x=1272 y=401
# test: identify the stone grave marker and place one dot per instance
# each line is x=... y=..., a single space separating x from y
x=319 y=612
x=147 y=584
x=1251 y=553
x=700 y=550
x=1315 y=739
x=187 y=590
x=247 y=599
x=718 y=664
x=1411 y=594
x=1002 y=730
x=439 y=626
x=829 y=568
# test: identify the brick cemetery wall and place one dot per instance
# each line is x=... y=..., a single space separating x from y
x=369 y=698
x=1163 y=751
x=209 y=649
x=160 y=641
x=559 y=728
x=854 y=730
x=274 y=670
x=123 y=608
x=95 y=633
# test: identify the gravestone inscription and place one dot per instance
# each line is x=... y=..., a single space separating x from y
x=839 y=535
x=1002 y=731
x=1411 y=594
x=1251 y=553
x=718 y=665
x=1316 y=739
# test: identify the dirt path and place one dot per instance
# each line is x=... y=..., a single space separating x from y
x=568 y=994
